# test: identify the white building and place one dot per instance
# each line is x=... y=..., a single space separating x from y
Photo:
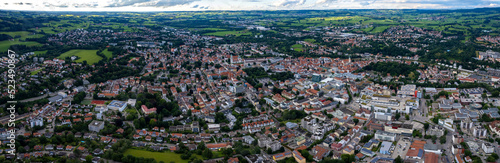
x=385 y=136
x=383 y=116
x=488 y=148
x=447 y=123
x=479 y=131
x=36 y=122
x=117 y=105
x=96 y=126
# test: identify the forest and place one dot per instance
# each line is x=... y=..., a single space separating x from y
x=394 y=69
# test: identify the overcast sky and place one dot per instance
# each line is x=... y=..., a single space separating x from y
x=201 y=5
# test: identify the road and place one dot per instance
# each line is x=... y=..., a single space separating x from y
x=5 y=119
x=34 y=98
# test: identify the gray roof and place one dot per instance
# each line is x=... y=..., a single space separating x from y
x=430 y=147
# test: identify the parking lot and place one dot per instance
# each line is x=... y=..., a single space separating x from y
x=401 y=148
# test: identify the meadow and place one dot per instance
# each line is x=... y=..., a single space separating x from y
x=158 y=156
x=4 y=45
x=85 y=55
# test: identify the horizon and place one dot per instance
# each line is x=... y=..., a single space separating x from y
x=437 y=9
x=239 y=5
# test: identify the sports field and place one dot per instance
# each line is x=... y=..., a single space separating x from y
x=85 y=55
x=298 y=47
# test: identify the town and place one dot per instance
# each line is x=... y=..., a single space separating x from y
x=329 y=93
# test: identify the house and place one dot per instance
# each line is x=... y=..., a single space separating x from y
x=248 y=139
x=217 y=146
x=415 y=154
x=233 y=160
x=367 y=152
x=274 y=146
x=49 y=147
x=281 y=156
x=298 y=157
x=457 y=149
x=431 y=158
x=458 y=159
x=147 y=110
x=319 y=152
x=98 y=151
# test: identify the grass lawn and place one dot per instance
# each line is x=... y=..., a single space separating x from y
x=23 y=34
x=36 y=71
x=4 y=45
x=310 y=40
x=85 y=55
x=131 y=111
x=298 y=47
x=158 y=156
x=86 y=102
x=107 y=53
x=40 y=52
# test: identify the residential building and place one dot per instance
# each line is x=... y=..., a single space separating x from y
x=488 y=148
x=96 y=126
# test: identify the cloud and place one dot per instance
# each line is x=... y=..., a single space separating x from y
x=361 y=2
x=193 y=5
x=122 y=3
x=366 y=3
x=289 y=3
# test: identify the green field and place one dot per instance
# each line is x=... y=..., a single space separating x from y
x=310 y=40
x=22 y=34
x=224 y=33
x=85 y=55
x=40 y=52
x=4 y=45
x=107 y=53
x=36 y=71
x=298 y=47
x=158 y=156
x=86 y=102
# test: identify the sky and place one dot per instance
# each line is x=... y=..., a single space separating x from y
x=204 y=5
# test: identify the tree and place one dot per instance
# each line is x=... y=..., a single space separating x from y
x=495 y=93
x=88 y=158
x=468 y=153
x=407 y=117
x=398 y=116
x=434 y=137
x=347 y=158
x=207 y=153
x=442 y=139
x=269 y=151
x=77 y=152
x=398 y=159
x=355 y=121
x=426 y=126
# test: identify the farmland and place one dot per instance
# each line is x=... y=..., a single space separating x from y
x=224 y=33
